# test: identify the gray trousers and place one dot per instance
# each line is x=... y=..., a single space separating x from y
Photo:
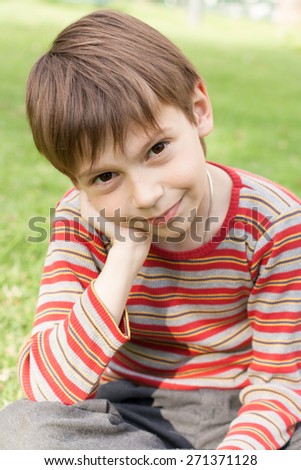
x=125 y=416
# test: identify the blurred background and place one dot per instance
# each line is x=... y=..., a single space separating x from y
x=248 y=51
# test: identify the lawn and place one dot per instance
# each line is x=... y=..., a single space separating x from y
x=253 y=75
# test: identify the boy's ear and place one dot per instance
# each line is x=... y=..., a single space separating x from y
x=202 y=110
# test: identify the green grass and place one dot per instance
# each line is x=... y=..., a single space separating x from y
x=253 y=76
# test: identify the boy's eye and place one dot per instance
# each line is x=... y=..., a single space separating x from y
x=105 y=177
x=157 y=149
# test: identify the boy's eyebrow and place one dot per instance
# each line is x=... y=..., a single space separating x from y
x=90 y=172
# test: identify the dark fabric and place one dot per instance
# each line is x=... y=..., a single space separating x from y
x=88 y=425
x=182 y=419
x=125 y=416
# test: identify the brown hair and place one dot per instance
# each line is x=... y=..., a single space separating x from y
x=103 y=72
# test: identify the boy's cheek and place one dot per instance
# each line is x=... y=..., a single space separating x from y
x=114 y=213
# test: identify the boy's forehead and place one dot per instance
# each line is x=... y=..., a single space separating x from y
x=140 y=136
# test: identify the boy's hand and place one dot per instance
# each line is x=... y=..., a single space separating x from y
x=124 y=259
x=126 y=238
x=95 y=218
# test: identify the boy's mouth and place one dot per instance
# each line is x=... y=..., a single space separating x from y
x=166 y=216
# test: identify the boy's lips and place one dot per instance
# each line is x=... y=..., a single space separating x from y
x=166 y=216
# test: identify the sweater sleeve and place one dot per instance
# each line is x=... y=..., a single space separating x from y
x=271 y=402
x=74 y=336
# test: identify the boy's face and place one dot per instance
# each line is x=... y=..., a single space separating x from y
x=160 y=184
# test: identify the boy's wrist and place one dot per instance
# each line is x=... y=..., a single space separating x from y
x=132 y=255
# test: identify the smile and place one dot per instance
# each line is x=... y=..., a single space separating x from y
x=166 y=216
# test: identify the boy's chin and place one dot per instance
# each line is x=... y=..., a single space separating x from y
x=169 y=234
x=172 y=232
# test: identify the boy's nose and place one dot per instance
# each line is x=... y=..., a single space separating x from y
x=145 y=193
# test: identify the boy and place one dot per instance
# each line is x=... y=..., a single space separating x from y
x=169 y=307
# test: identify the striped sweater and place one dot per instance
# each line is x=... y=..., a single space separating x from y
x=226 y=315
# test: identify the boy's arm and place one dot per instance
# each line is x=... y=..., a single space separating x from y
x=271 y=403
x=80 y=321
x=124 y=260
